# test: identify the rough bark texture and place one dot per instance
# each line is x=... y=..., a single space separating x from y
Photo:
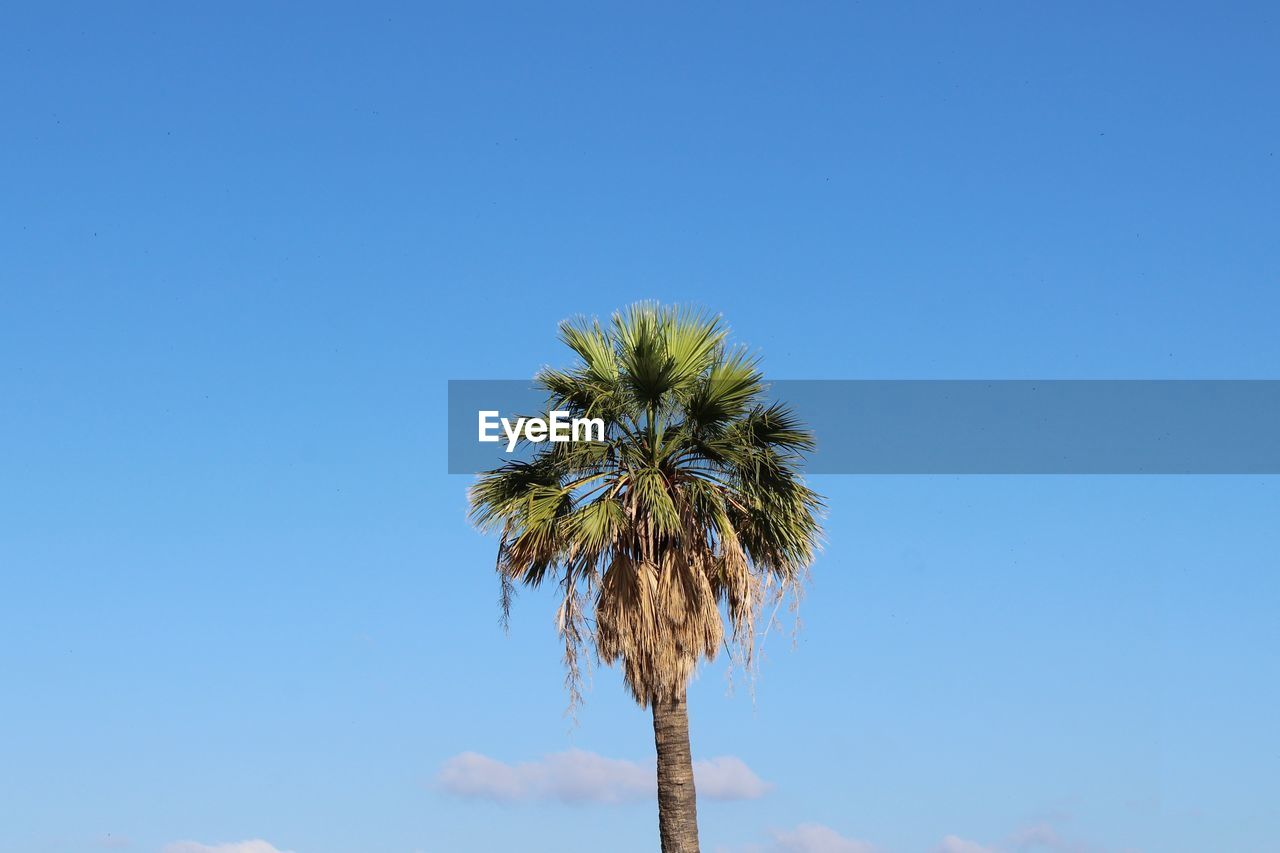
x=677 y=802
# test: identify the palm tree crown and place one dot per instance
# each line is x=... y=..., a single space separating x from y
x=691 y=504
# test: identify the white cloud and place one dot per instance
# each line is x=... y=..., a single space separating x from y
x=815 y=838
x=1043 y=836
x=955 y=844
x=1040 y=834
x=254 y=846
x=575 y=776
x=728 y=778
x=578 y=776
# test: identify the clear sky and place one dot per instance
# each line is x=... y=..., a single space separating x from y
x=244 y=246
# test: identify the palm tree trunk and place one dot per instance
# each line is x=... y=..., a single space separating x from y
x=677 y=802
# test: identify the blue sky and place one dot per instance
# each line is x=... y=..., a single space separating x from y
x=243 y=248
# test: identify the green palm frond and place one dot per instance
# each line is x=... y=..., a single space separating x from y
x=689 y=512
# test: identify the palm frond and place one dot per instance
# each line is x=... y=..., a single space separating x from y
x=691 y=511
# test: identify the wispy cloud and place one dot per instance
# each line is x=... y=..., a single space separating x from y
x=727 y=778
x=254 y=846
x=1042 y=837
x=805 y=838
x=956 y=844
x=578 y=776
x=816 y=838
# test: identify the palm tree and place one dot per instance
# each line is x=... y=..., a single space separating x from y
x=691 y=506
